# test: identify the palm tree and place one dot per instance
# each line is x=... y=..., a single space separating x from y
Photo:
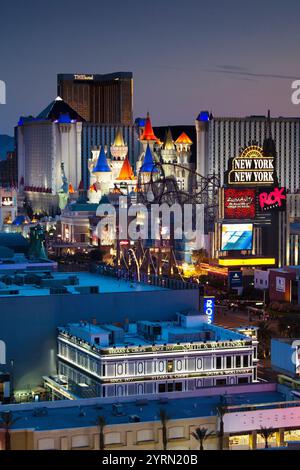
x=266 y=433
x=6 y=423
x=201 y=434
x=101 y=423
x=264 y=337
x=221 y=411
x=164 y=418
x=287 y=326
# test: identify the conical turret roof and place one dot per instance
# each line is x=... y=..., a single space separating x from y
x=148 y=164
x=148 y=133
x=119 y=140
x=102 y=165
x=183 y=139
x=59 y=110
x=169 y=143
x=126 y=172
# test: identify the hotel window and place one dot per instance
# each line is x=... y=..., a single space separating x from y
x=246 y=361
x=238 y=361
x=103 y=370
x=170 y=366
x=243 y=380
x=80 y=441
x=112 y=438
x=161 y=388
x=219 y=363
x=228 y=362
x=145 y=435
x=46 y=444
x=176 y=433
x=221 y=382
x=241 y=442
x=178 y=387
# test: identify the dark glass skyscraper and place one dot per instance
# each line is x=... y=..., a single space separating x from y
x=100 y=99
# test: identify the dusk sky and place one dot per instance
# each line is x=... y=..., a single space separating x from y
x=231 y=57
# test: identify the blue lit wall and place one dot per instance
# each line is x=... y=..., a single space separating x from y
x=28 y=324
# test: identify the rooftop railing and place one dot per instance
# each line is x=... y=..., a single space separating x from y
x=150 y=279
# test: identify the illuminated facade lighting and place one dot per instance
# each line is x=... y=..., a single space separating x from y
x=247 y=262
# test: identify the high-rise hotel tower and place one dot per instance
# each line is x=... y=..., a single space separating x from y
x=100 y=99
x=221 y=138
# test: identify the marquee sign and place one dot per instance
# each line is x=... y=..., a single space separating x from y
x=252 y=168
x=209 y=308
x=271 y=199
x=239 y=203
x=82 y=76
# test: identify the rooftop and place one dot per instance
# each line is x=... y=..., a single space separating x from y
x=41 y=286
x=149 y=336
x=95 y=77
x=148 y=134
x=63 y=415
x=59 y=110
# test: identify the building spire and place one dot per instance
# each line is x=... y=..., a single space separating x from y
x=169 y=143
x=126 y=172
x=269 y=147
x=148 y=133
x=101 y=165
x=119 y=140
x=148 y=165
x=269 y=135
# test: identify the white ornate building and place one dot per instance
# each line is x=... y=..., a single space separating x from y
x=43 y=144
x=149 y=357
x=110 y=169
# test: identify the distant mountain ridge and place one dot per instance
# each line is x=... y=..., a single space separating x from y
x=7 y=144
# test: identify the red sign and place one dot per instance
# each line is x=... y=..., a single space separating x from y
x=239 y=203
x=272 y=199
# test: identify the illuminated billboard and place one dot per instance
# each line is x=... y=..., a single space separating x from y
x=251 y=168
x=239 y=203
x=236 y=237
x=209 y=308
x=272 y=199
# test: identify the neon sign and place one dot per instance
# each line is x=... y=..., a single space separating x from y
x=274 y=199
x=209 y=308
x=239 y=203
x=83 y=77
x=251 y=167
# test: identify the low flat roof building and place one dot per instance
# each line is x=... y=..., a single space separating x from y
x=152 y=357
x=135 y=424
x=34 y=303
